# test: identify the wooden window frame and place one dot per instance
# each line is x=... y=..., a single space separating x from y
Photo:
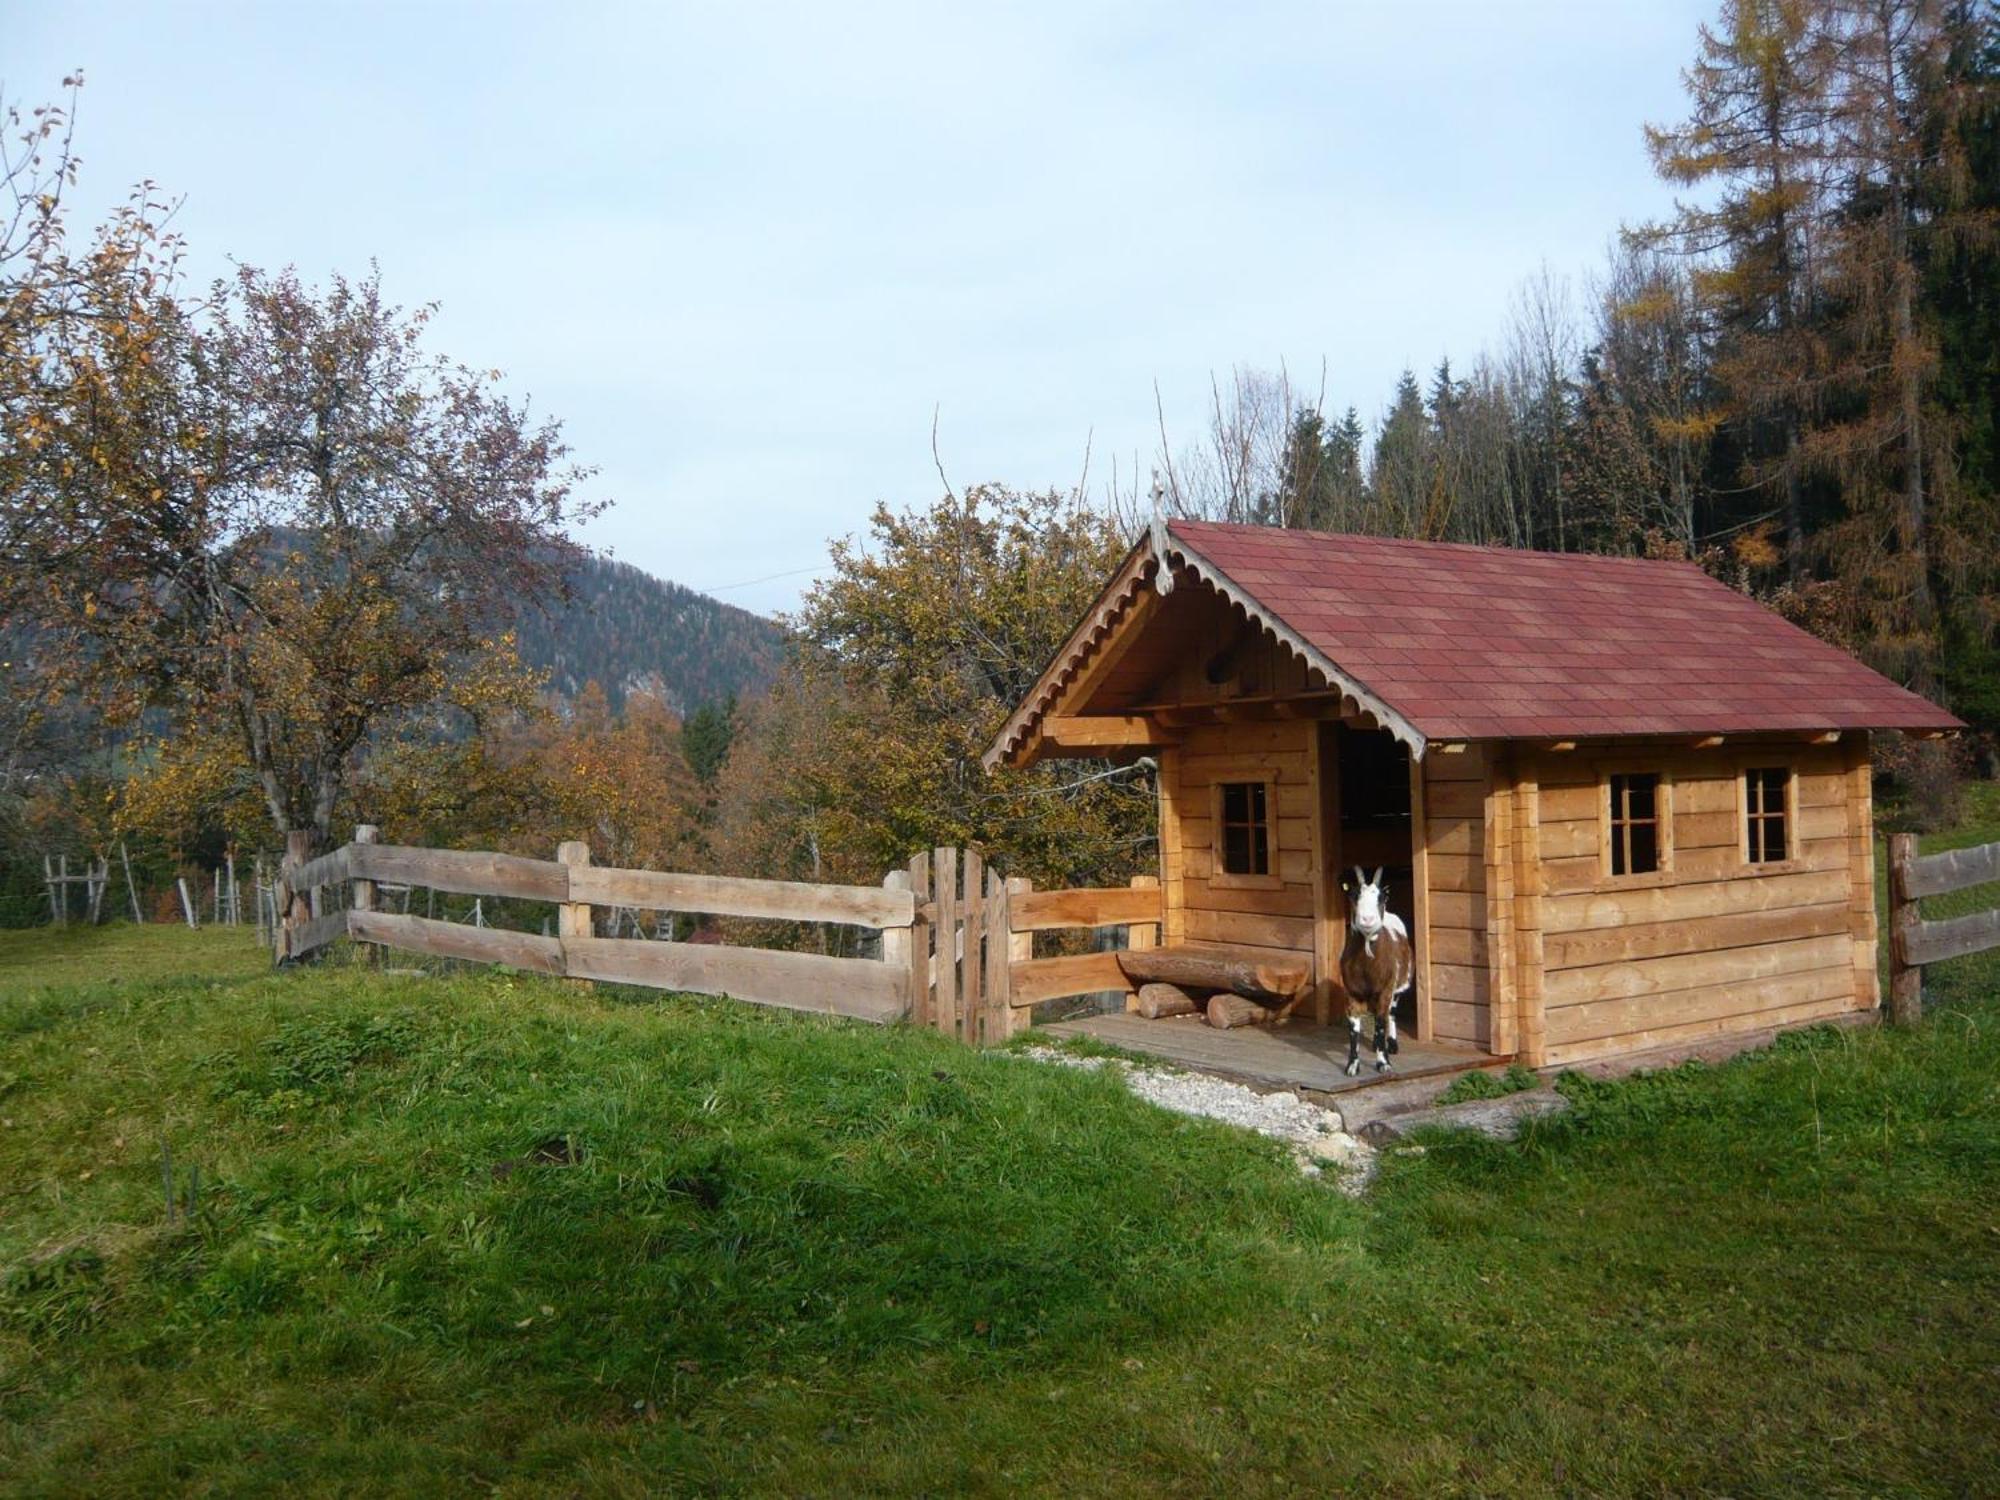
x=1218 y=876
x=1792 y=862
x=1663 y=819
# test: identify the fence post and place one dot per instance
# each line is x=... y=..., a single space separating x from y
x=896 y=944
x=1020 y=945
x=1906 y=980
x=945 y=896
x=921 y=1011
x=296 y=907
x=972 y=920
x=363 y=897
x=573 y=917
x=131 y=889
x=1141 y=934
x=995 y=1021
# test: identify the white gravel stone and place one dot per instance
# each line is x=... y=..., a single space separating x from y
x=1316 y=1136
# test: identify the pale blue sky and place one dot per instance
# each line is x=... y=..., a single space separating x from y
x=744 y=250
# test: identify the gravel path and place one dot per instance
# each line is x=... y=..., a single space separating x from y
x=1316 y=1135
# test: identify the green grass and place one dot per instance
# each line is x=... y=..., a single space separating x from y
x=804 y=1257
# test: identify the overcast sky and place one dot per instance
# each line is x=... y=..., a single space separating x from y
x=743 y=251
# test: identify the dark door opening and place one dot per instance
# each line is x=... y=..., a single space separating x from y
x=1371 y=818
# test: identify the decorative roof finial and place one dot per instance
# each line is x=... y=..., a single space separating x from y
x=1163 y=578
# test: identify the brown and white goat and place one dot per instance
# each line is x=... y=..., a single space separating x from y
x=1375 y=967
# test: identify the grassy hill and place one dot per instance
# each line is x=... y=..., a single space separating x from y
x=626 y=629
x=487 y=1231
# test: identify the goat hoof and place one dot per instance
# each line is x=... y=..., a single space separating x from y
x=1382 y=1065
x=1354 y=1067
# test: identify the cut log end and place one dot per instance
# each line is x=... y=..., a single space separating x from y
x=1158 y=1000
x=1226 y=1011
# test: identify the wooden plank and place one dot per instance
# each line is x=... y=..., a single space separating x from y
x=1678 y=903
x=1086 y=906
x=1459 y=908
x=314 y=933
x=1457 y=799
x=1951 y=937
x=1689 y=1033
x=1724 y=968
x=1294 y=933
x=1464 y=983
x=1098 y=732
x=944 y=901
x=1421 y=875
x=1037 y=979
x=575 y=919
x=1455 y=836
x=328 y=869
x=1861 y=870
x=860 y=988
x=465 y=872
x=1606 y=945
x=1502 y=995
x=972 y=922
x=1457 y=945
x=1692 y=867
x=729 y=896
x=1458 y=872
x=1241 y=895
x=896 y=940
x=1529 y=959
x=1329 y=906
x=1953 y=870
x=1573 y=804
x=479 y=945
x=1020 y=949
x=1457 y=1021
x=921 y=1009
x=1173 y=854
x=996 y=1015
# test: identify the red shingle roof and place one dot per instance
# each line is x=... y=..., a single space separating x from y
x=1493 y=643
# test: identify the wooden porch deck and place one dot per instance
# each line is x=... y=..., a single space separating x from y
x=1297 y=1054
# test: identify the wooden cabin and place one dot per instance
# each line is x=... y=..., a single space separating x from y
x=1621 y=806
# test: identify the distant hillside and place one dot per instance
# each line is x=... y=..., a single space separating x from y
x=626 y=628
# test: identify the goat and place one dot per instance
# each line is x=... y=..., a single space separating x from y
x=1375 y=967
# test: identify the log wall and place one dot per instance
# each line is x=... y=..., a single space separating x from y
x=1205 y=907
x=1452 y=949
x=1709 y=944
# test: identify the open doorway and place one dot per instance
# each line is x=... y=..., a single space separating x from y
x=1366 y=773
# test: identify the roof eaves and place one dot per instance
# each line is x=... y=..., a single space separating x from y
x=1263 y=616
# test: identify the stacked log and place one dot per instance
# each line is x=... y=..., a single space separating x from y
x=1158 y=999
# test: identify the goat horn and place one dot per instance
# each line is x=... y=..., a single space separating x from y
x=1378 y=875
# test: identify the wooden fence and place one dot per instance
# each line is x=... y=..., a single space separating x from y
x=974 y=939
x=1913 y=942
x=957 y=939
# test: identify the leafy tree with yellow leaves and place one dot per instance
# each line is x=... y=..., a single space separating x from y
x=274 y=515
x=907 y=661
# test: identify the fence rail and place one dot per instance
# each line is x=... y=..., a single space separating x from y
x=957 y=938
x=1914 y=942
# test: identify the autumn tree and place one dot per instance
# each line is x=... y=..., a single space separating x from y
x=909 y=657
x=1754 y=137
x=278 y=513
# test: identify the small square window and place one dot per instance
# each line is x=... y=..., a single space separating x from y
x=1635 y=823
x=1245 y=830
x=1765 y=803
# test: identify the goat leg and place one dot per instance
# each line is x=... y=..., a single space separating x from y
x=1353 y=1045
